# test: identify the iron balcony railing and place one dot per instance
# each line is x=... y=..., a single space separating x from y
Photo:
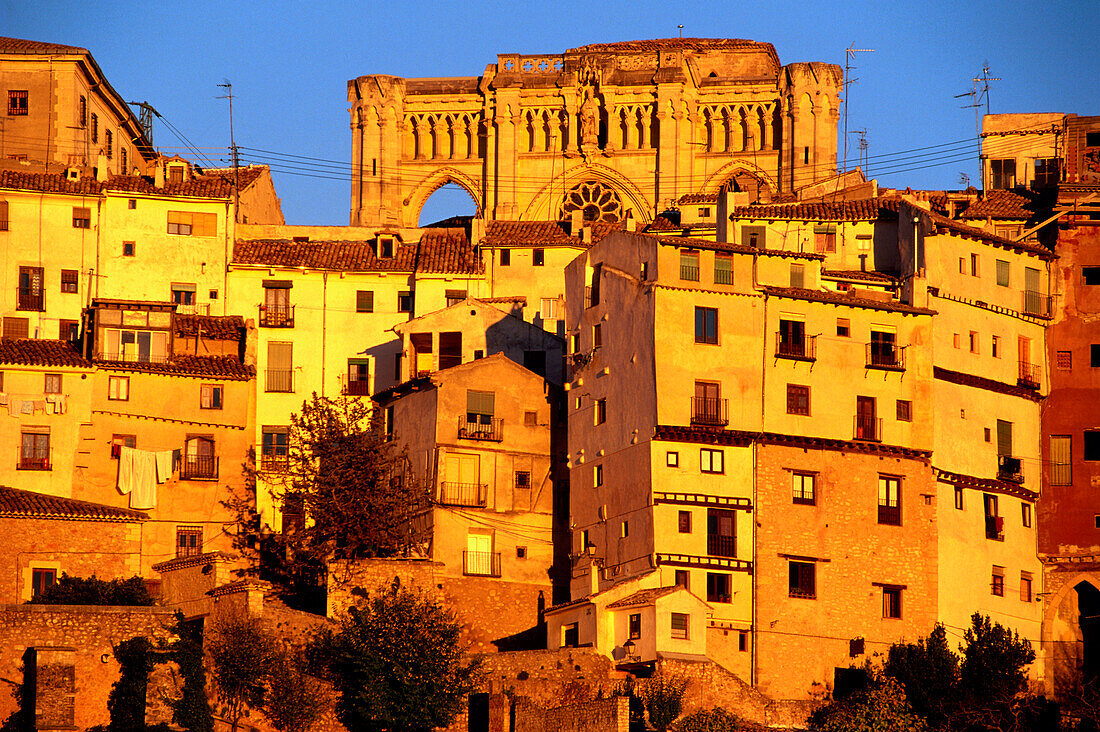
x=995 y=528
x=723 y=276
x=1036 y=304
x=30 y=298
x=689 y=272
x=273 y=457
x=35 y=462
x=709 y=411
x=277 y=316
x=199 y=467
x=1029 y=375
x=721 y=546
x=280 y=380
x=803 y=348
x=132 y=357
x=868 y=429
x=491 y=430
x=1010 y=468
x=890 y=515
x=462 y=494
x=357 y=388
x=803 y=593
x=887 y=356
x=481 y=564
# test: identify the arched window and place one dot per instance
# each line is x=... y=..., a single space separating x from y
x=598 y=202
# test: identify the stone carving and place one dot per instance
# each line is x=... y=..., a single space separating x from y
x=597 y=201
x=590 y=119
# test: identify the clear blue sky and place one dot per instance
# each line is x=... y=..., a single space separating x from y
x=289 y=63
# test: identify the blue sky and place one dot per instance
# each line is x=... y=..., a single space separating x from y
x=289 y=63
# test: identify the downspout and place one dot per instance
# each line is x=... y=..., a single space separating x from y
x=755 y=485
x=228 y=254
x=324 y=326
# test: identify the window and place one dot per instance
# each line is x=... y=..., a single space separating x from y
x=120 y=441
x=1025 y=515
x=974 y=265
x=454 y=297
x=34 y=453
x=190 y=223
x=1091 y=275
x=3 y=215
x=16 y=327
x=956 y=340
x=997 y=583
x=753 y=236
x=843 y=328
x=973 y=341
x=710 y=461
x=704 y=211
x=68 y=280
x=1063 y=360
x=530 y=419
x=1092 y=443
x=364 y=301
x=82 y=218
x=480 y=408
x=635 y=626
x=82 y=112
x=404 y=301
x=274 y=447
x=884 y=348
x=891 y=602
x=825 y=238
x=199 y=460
x=962 y=265
x=723 y=270
x=358 y=383
x=1002 y=273
x=601 y=411
x=538 y=257
x=905 y=410
x=128 y=248
x=792 y=339
x=672 y=459
x=718 y=587
x=721 y=533
x=706 y=325
x=683 y=522
x=1061 y=469
x=184 y=295
x=188 y=541
x=1046 y=171
x=31 y=292
x=521 y=552
x=1092 y=139
x=679 y=629
x=1025 y=586
x=523 y=479
x=118 y=388
x=548 y=308
x=570 y=636
x=52 y=384
x=889 y=500
x=505 y=257
x=802 y=581
x=798 y=276
x=995 y=346
x=804 y=485
x=210 y=396
x=689 y=265
x=1094 y=355
x=141 y=346
x=280 y=367
x=41 y=579
x=624 y=529
x=124 y=163
x=958 y=498
x=68 y=330
x=683 y=579
x=132 y=204
x=108 y=143
x=597 y=476
x=17 y=103
x=1004 y=173
x=798 y=399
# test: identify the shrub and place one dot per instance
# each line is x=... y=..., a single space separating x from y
x=93 y=591
x=708 y=720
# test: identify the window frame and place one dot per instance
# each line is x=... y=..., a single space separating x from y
x=799 y=494
x=683 y=620
x=997 y=581
x=683 y=522
x=19 y=102
x=801 y=579
x=706 y=325
x=216 y=398
x=889 y=500
x=707 y=461
x=53 y=383
x=70 y=281
x=118 y=388
x=364 y=301
x=798 y=400
x=891 y=602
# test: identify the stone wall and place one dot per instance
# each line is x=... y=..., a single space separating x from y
x=80 y=638
x=598 y=715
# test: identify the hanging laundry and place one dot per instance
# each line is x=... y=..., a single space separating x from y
x=125 y=469
x=165 y=461
x=3 y=400
x=27 y=407
x=15 y=407
x=144 y=495
x=39 y=406
x=61 y=405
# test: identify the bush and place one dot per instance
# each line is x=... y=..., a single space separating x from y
x=708 y=720
x=664 y=699
x=92 y=591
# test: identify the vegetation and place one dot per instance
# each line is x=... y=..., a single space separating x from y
x=92 y=591
x=296 y=700
x=396 y=663
x=708 y=720
x=663 y=697
x=880 y=707
x=242 y=657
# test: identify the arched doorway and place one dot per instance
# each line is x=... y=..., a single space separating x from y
x=1088 y=617
x=447 y=202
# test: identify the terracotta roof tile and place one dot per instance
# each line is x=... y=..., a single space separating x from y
x=15 y=503
x=40 y=352
x=944 y=225
x=846 y=298
x=541 y=233
x=691 y=198
x=743 y=438
x=19 y=45
x=871 y=209
x=437 y=251
x=1003 y=205
x=216 y=367
x=858 y=274
x=212 y=327
x=642 y=597
x=981 y=382
x=216 y=185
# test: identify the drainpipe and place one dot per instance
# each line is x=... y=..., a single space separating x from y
x=324 y=326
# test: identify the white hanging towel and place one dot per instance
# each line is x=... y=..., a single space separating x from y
x=144 y=495
x=164 y=465
x=125 y=469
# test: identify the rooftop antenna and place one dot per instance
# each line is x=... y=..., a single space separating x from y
x=849 y=55
x=976 y=98
x=862 y=146
x=228 y=86
x=681 y=27
x=145 y=119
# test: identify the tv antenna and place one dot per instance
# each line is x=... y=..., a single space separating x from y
x=228 y=86
x=977 y=97
x=849 y=56
x=862 y=146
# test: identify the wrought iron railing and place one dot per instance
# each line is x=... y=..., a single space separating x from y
x=709 y=411
x=492 y=430
x=481 y=564
x=801 y=348
x=868 y=429
x=890 y=515
x=1030 y=375
x=1036 y=304
x=885 y=356
x=277 y=316
x=30 y=298
x=199 y=467
x=462 y=494
x=721 y=546
x=1010 y=468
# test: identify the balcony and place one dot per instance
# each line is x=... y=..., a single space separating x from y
x=274 y=459
x=689 y=272
x=721 y=546
x=868 y=429
x=995 y=528
x=276 y=316
x=462 y=494
x=34 y=462
x=1030 y=375
x=803 y=348
x=132 y=357
x=280 y=380
x=1010 y=469
x=887 y=357
x=709 y=412
x=481 y=564
x=30 y=298
x=357 y=388
x=1036 y=304
x=889 y=515
x=492 y=430
x=199 y=467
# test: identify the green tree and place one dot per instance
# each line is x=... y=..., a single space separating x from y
x=881 y=707
x=663 y=697
x=295 y=700
x=992 y=675
x=929 y=671
x=242 y=655
x=396 y=663
x=93 y=591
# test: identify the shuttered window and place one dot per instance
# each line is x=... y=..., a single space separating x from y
x=1061 y=469
x=480 y=403
x=364 y=301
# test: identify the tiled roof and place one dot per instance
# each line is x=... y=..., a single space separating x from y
x=871 y=209
x=742 y=438
x=40 y=352
x=19 y=45
x=542 y=233
x=194 y=560
x=437 y=251
x=664 y=222
x=218 y=185
x=857 y=274
x=15 y=503
x=642 y=597
x=1002 y=205
x=691 y=198
x=211 y=327
x=981 y=382
x=990 y=485
x=944 y=225
x=513 y=299
x=214 y=367
x=846 y=298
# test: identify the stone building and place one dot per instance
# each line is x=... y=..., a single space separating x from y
x=615 y=130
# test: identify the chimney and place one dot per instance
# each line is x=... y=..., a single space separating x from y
x=631 y=225
x=101 y=168
x=158 y=173
x=586 y=234
x=576 y=222
x=862 y=262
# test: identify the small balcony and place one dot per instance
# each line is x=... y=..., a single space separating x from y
x=868 y=429
x=889 y=515
x=481 y=564
x=887 y=357
x=709 y=412
x=1030 y=375
x=35 y=462
x=462 y=494
x=276 y=316
x=273 y=459
x=280 y=380
x=803 y=348
x=490 y=429
x=721 y=546
x=689 y=272
x=995 y=528
x=1009 y=468
x=30 y=298
x=1036 y=304
x=199 y=467
x=357 y=388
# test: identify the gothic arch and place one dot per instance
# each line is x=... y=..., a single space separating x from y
x=1063 y=660
x=435 y=180
x=730 y=171
x=549 y=196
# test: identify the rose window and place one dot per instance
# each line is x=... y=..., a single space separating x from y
x=595 y=200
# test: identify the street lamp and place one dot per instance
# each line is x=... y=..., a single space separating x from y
x=629 y=648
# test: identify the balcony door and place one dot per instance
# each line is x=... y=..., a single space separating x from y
x=866 y=421
x=707 y=395
x=479 y=549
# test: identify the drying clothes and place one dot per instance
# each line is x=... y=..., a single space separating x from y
x=137 y=476
x=58 y=401
x=3 y=400
x=27 y=407
x=165 y=460
x=125 y=469
x=39 y=405
x=15 y=407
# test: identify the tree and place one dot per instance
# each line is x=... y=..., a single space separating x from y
x=92 y=591
x=881 y=707
x=929 y=671
x=295 y=699
x=396 y=663
x=352 y=486
x=242 y=655
x=663 y=697
x=992 y=675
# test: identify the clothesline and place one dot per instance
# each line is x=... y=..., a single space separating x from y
x=139 y=472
